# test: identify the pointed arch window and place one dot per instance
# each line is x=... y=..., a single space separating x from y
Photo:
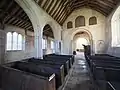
x=15 y=38
x=14 y=41
x=20 y=41
x=44 y=43
x=92 y=20
x=80 y=21
x=9 y=41
x=52 y=44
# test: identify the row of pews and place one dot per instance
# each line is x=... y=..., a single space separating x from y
x=105 y=70
x=36 y=74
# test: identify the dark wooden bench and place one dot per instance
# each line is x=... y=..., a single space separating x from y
x=113 y=86
x=106 y=72
x=102 y=58
x=68 y=56
x=104 y=63
x=39 y=69
x=52 y=62
x=48 y=64
x=59 y=58
x=105 y=67
x=14 y=79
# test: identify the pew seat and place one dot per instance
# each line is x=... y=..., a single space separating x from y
x=14 y=79
x=51 y=62
x=114 y=85
x=40 y=70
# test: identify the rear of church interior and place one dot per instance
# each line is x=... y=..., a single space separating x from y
x=59 y=44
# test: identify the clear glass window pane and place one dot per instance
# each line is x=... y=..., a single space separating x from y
x=52 y=44
x=23 y=41
x=15 y=40
x=9 y=41
x=43 y=43
x=19 y=42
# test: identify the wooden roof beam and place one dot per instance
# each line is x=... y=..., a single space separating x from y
x=46 y=4
x=57 y=7
x=12 y=13
x=53 y=7
x=61 y=12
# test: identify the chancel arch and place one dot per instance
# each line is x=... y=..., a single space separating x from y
x=79 y=39
x=48 y=40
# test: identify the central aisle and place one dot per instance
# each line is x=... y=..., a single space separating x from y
x=78 y=78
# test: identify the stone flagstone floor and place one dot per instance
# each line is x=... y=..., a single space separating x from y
x=79 y=78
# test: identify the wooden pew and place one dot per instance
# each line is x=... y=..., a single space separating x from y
x=68 y=56
x=104 y=62
x=48 y=64
x=102 y=59
x=105 y=67
x=37 y=69
x=59 y=58
x=106 y=72
x=14 y=79
x=113 y=86
x=52 y=62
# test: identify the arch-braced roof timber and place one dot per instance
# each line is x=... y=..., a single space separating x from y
x=61 y=9
x=11 y=13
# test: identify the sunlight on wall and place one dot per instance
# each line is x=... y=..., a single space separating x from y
x=115 y=25
x=79 y=43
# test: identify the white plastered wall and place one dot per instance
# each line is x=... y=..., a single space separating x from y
x=39 y=19
x=115 y=51
x=15 y=55
x=96 y=32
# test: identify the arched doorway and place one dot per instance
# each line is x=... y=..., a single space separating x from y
x=79 y=44
x=48 y=43
x=81 y=37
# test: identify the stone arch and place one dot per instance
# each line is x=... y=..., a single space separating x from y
x=79 y=41
x=54 y=30
x=82 y=35
x=47 y=31
x=33 y=12
x=81 y=30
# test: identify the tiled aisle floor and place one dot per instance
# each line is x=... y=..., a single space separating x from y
x=78 y=78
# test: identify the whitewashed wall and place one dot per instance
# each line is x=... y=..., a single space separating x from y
x=39 y=19
x=115 y=51
x=97 y=32
x=15 y=55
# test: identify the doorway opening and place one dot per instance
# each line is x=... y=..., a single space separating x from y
x=80 y=38
x=79 y=44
